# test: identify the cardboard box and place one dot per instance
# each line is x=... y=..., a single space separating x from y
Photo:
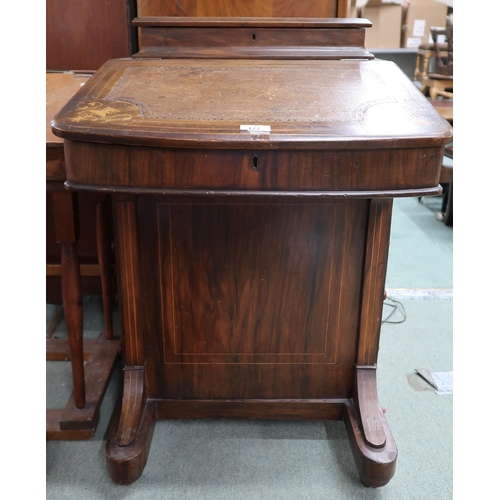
x=419 y=16
x=376 y=3
x=385 y=32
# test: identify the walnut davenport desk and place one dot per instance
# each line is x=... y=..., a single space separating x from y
x=252 y=165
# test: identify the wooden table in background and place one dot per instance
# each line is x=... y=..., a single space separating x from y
x=252 y=260
x=92 y=360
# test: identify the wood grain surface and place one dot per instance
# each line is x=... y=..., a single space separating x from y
x=60 y=87
x=241 y=8
x=250 y=296
x=83 y=35
x=307 y=104
x=265 y=38
x=284 y=170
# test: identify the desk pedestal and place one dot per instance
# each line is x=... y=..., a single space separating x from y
x=247 y=306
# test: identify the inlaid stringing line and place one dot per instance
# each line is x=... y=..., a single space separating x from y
x=160 y=281
x=130 y=207
x=172 y=277
x=125 y=259
x=373 y=295
x=344 y=249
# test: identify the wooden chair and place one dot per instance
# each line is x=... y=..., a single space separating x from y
x=447 y=207
x=425 y=56
x=445 y=109
x=440 y=81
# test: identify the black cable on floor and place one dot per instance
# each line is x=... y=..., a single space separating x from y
x=395 y=307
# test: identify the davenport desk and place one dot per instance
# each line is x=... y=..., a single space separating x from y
x=252 y=166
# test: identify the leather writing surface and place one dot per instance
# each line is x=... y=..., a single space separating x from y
x=250 y=93
x=171 y=102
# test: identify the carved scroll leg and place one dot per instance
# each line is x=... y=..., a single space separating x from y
x=66 y=227
x=371 y=440
x=129 y=440
x=103 y=254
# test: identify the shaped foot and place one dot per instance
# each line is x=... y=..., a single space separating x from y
x=372 y=444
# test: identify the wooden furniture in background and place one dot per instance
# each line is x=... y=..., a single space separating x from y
x=425 y=56
x=252 y=189
x=83 y=35
x=60 y=88
x=440 y=81
x=445 y=109
x=448 y=204
x=92 y=361
x=243 y=9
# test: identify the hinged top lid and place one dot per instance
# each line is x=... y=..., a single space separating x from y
x=258 y=104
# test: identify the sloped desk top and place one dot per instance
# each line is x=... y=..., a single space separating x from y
x=203 y=103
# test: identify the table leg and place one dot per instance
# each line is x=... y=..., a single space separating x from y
x=67 y=232
x=448 y=209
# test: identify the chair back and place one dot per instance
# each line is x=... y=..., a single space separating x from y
x=444 y=61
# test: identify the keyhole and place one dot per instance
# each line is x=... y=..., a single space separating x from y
x=255 y=163
x=254 y=36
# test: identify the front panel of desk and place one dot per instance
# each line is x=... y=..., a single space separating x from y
x=252 y=208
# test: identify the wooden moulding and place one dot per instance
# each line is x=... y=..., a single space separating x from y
x=252 y=409
x=432 y=191
x=252 y=38
x=281 y=171
x=251 y=22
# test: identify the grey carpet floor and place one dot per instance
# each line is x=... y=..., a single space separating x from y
x=266 y=460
